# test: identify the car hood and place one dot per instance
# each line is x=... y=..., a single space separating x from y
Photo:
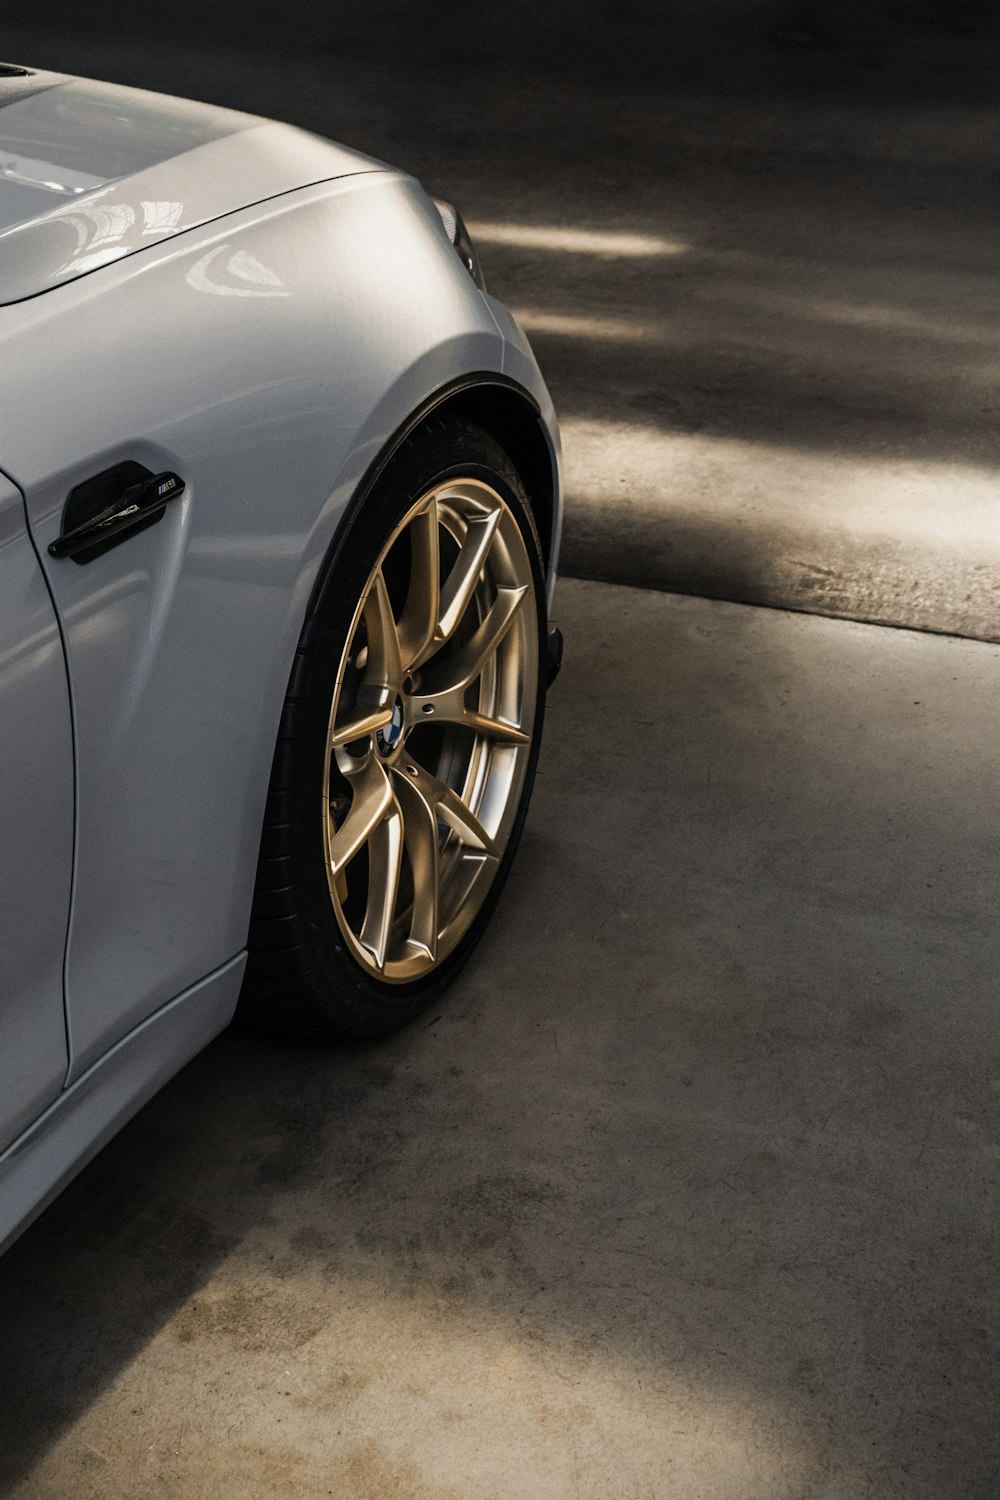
x=91 y=172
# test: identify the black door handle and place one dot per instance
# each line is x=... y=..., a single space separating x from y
x=120 y=512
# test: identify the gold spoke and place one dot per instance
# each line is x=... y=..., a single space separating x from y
x=362 y=724
x=443 y=802
x=384 y=665
x=419 y=620
x=469 y=660
x=450 y=708
x=385 y=861
x=420 y=832
x=371 y=801
x=493 y=729
x=461 y=582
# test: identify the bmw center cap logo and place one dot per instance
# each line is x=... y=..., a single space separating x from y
x=388 y=736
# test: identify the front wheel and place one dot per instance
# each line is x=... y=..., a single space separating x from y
x=407 y=747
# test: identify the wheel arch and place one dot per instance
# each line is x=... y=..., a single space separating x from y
x=512 y=417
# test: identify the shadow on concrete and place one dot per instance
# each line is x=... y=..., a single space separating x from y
x=720 y=1117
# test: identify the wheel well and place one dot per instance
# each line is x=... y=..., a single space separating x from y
x=513 y=422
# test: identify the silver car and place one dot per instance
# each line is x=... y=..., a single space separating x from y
x=279 y=520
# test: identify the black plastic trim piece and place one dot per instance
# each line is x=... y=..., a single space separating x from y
x=112 y=506
x=477 y=380
x=554 y=654
x=474 y=381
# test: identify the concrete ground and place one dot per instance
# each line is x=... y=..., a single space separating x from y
x=687 y=1191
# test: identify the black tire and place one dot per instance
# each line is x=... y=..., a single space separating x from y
x=301 y=975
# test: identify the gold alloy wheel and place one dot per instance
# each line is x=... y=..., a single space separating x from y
x=430 y=730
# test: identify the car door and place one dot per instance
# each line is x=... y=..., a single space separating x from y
x=36 y=829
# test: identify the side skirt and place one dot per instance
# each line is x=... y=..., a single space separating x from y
x=74 y=1128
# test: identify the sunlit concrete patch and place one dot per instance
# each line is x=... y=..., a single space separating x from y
x=572 y=241
x=866 y=538
x=578 y=325
x=413 y=1395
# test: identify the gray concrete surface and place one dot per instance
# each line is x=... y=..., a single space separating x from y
x=689 y=1190
x=786 y=393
